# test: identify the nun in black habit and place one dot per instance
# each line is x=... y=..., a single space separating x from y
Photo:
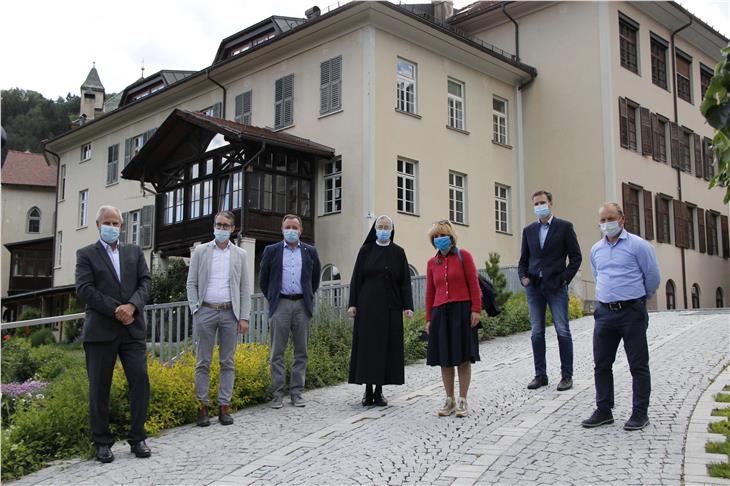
x=380 y=294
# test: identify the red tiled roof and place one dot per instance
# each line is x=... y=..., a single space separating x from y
x=28 y=169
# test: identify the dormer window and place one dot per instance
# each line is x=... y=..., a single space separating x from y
x=146 y=92
x=243 y=47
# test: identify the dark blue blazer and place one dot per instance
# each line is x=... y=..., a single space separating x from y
x=271 y=269
x=561 y=242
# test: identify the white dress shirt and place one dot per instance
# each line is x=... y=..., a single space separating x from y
x=113 y=256
x=219 y=284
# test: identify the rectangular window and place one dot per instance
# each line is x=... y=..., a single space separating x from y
x=455 y=104
x=658 y=61
x=502 y=208
x=134 y=228
x=207 y=197
x=112 y=165
x=31 y=263
x=330 y=85
x=499 y=120
x=174 y=204
x=284 y=102
x=62 y=183
x=659 y=138
x=712 y=246
x=280 y=194
x=407 y=186
x=406 y=86
x=684 y=76
x=691 y=224
x=684 y=150
x=195 y=199
x=332 y=197
x=632 y=210
x=243 y=108
x=705 y=78
x=134 y=144
x=628 y=45
x=457 y=197
x=59 y=248
x=83 y=208
x=663 y=219
x=632 y=125
x=214 y=110
x=86 y=152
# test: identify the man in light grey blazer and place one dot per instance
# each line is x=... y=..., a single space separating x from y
x=219 y=295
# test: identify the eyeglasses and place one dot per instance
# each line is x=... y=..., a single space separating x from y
x=223 y=226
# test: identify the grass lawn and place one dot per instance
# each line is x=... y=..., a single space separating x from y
x=721 y=470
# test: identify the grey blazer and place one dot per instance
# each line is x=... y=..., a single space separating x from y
x=199 y=272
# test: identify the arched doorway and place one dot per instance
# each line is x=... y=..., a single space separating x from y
x=719 y=298
x=671 y=293
x=695 y=296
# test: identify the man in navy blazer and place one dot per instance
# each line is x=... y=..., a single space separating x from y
x=289 y=277
x=545 y=245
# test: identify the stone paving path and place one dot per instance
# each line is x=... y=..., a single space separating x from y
x=513 y=435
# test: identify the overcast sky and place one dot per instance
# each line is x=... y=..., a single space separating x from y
x=50 y=45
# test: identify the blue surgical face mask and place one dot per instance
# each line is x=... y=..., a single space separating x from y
x=610 y=228
x=109 y=234
x=290 y=235
x=542 y=210
x=221 y=236
x=442 y=243
x=382 y=235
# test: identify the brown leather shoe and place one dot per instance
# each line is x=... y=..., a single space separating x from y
x=203 y=419
x=224 y=415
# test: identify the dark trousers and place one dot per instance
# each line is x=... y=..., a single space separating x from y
x=100 y=360
x=537 y=300
x=630 y=324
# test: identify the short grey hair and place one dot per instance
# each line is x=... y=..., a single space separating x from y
x=104 y=209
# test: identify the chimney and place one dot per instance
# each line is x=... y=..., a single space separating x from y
x=312 y=13
x=442 y=9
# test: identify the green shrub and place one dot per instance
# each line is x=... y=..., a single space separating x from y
x=498 y=279
x=17 y=363
x=51 y=361
x=30 y=313
x=42 y=336
x=414 y=347
x=169 y=285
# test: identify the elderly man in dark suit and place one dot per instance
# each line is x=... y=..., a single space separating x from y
x=546 y=244
x=114 y=282
x=289 y=277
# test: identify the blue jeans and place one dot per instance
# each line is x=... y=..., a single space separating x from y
x=537 y=300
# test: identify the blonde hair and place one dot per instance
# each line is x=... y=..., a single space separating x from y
x=443 y=227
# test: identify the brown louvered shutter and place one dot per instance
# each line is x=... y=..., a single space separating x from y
x=645 y=116
x=711 y=241
x=674 y=144
x=659 y=219
x=709 y=167
x=701 y=229
x=648 y=216
x=680 y=224
x=725 y=236
x=699 y=161
x=655 y=137
x=623 y=122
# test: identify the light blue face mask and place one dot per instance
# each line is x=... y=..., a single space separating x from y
x=109 y=234
x=382 y=235
x=221 y=236
x=542 y=210
x=610 y=228
x=442 y=243
x=290 y=235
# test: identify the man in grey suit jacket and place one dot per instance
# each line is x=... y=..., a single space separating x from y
x=114 y=282
x=219 y=295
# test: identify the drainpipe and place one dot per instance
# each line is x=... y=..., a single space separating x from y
x=55 y=214
x=223 y=108
x=679 y=169
x=517 y=31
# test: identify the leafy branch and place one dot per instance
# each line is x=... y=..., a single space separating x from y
x=716 y=110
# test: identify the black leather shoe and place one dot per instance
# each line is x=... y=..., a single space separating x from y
x=367 y=399
x=104 y=453
x=637 y=421
x=597 y=419
x=380 y=400
x=140 y=449
x=537 y=382
x=224 y=415
x=565 y=384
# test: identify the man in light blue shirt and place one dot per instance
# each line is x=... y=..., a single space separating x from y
x=625 y=269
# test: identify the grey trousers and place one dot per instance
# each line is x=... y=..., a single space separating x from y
x=207 y=321
x=289 y=317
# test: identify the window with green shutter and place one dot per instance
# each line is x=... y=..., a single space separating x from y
x=243 y=108
x=284 y=102
x=330 y=91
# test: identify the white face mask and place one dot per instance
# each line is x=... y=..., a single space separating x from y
x=610 y=228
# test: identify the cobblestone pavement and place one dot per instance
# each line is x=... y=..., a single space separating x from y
x=512 y=436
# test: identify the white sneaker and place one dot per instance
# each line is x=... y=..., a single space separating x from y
x=448 y=407
x=462 y=408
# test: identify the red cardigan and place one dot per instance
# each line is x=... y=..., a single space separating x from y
x=446 y=281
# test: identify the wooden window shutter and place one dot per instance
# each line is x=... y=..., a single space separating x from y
x=709 y=160
x=674 y=143
x=336 y=70
x=325 y=86
x=708 y=228
x=659 y=213
x=631 y=209
x=646 y=146
x=147 y=224
x=127 y=151
x=648 y=216
x=699 y=161
x=247 y=100
x=278 y=102
x=289 y=99
x=655 y=137
x=680 y=224
x=623 y=122
x=701 y=229
x=238 y=117
x=725 y=236
x=123 y=231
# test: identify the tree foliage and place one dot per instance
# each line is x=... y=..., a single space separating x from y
x=498 y=279
x=29 y=118
x=716 y=109
x=169 y=285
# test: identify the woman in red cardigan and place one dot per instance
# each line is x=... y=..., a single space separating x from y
x=453 y=304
